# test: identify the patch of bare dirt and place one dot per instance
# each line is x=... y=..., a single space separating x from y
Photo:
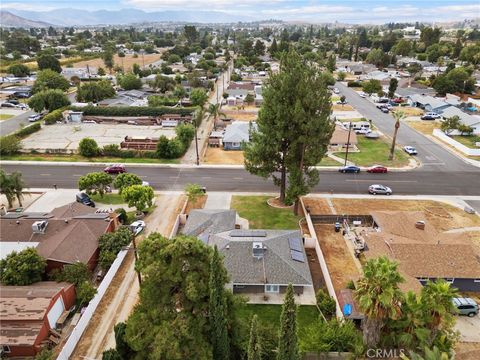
x=317 y=206
x=220 y=156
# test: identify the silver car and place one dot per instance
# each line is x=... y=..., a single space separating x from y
x=466 y=306
x=379 y=189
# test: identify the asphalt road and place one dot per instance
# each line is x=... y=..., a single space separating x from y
x=13 y=124
x=433 y=156
x=417 y=182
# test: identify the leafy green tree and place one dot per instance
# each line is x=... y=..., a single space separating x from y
x=48 y=61
x=193 y=192
x=326 y=303
x=259 y=48
x=121 y=345
x=45 y=354
x=288 y=337
x=392 y=87
x=456 y=80
x=249 y=99
x=9 y=145
x=6 y=188
x=294 y=128
x=125 y=180
x=130 y=81
x=331 y=63
x=254 y=351
x=273 y=48
x=377 y=57
x=22 y=268
x=141 y=197
x=85 y=292
x=378 y=296
x=470 y=53
x=341 y=75
x=101 y=71
x=49 y=79
x=168 y=149
x=110 y=245
x=162 y=83
x=111 y=354
x=217 y=308
x=430 y=36
x=185 y=134
x=215 y=111
x=372 y=86
x=191 y=34
x=19 y=70
x=88 y=147
x=450 y=124
x=403 y=47
x=50 y=100
x=95 y=91
x=107 y=58
x=75 y=273
x=198 y=97
x=94 y=182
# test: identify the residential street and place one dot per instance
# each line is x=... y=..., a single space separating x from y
x=433 y=156
x=426 y=181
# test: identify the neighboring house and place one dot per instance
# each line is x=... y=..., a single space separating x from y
x=409 y=91
x=339 y=139
x=237 y=133
x=65 y=236
x=240 y=89
x=465 y=119
x=257 y=261
x=127 y=98
x=29 y=313
x=423 y=252
x=82 y=73
x=427 y=103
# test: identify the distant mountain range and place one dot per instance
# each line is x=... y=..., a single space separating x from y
x=78 y=17
x=7 y=19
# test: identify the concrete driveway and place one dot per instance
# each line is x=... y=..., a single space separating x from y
x=469 y=328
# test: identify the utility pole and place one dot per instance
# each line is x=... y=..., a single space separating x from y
x=348 y=142
x=136 y=259
x=196 y=142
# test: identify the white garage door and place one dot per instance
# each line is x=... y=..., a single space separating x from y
x=57 y=309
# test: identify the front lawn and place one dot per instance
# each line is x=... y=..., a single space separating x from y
x=328 y=161
x=5 y=116
x=468 y=141
x=375 y=152
x=108 y=199
x=270 y=314
x=261 y=215
x=78 y=158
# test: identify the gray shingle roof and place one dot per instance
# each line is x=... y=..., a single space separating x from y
x=203 y=222
x=466 y=119
x=238 y=131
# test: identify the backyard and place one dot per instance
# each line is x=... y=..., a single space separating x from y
x=261 y=215
x=374 y=152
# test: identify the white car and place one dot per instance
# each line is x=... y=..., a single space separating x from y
x=379 y=189
x=433 y=114
x=362 y=94
x=410 y=150
x=34 y=117
x=336 y=91
x=362 y=131
x=145 y=183
x=137 y=227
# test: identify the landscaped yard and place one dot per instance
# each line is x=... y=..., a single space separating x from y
x=261 y=215
x=108 y=199
x=77 y=158
x=328 y=161
x=468 y=141
x=375 y=151
x=270 y=314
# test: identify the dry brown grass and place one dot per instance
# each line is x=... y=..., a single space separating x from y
x=467 y=351
x=198 y=204
x=340 y=263
x=425 y=127
x=317 y=206
x=339 y=107
x=410 y=111
x=219 y=156
x=436 y=212
x=127 y=62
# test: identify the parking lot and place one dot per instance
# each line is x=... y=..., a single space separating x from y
x=68 y=136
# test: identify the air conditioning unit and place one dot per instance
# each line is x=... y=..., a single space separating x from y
x=38 y=227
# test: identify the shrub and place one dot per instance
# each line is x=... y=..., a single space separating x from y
x=27 y=130
x=22 y=268
x=132 y=110
x=326 y=303
x=354 y=84
x=9 y=145
x=169 y=149
x=53 y=117
x=88 y=147
x=111 y=150
x=122 y=215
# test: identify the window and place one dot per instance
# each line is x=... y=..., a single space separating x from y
x=6 y=349
x=272 y=288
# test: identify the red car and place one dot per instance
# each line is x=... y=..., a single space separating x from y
x=377 y=169
x=115 y=169
x=398 y=100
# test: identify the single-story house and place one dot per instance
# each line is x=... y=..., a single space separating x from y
x=427 y=103
x=66 y=235
x=423 y=252
x=237 y=133
x=339 y=139
x=408 y=91
x=240 y=89
x=466 y=119
x=29 y=313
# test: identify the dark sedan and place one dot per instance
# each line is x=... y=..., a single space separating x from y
x=115 y=169
x=349 y=169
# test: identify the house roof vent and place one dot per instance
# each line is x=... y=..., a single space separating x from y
x=257 y=249
x=39 y=227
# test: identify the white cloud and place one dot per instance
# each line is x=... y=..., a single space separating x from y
x=309 y=10
x=198 y=4
x=27 y=6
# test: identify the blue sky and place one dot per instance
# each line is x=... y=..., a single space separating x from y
x=374 y=11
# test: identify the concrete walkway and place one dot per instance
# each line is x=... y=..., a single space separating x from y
x=218 y=200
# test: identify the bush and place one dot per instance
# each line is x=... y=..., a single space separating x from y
x=122 y=215
x=22 y=268
x=27 y=130
x=326 y=303
x=88 y=147
x=53 y=117
x=169 y=149
x=132 y=110
x=9 y=145
x=130 y=81
x=354 y=84
x=157 y=100
x=111 y=150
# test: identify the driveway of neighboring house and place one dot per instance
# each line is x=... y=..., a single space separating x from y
x=468 y=328
x=218 y=200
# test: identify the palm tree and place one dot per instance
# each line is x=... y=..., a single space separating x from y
x=378 y=296
x=6 y=188
x=18 y=185
x=215 y=112
x=397 y=115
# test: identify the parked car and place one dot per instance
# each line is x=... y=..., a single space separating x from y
x=85 y=199
x=145 y=183
x=379 y=189
x=377 y=169
x=13 y=101
x=372 y=135
x=398 y=100
x=8 y=105
x=433 y=114
x=137 y=227
x=362 y=94
x=383 y=100
x=349 y=169
x=410 y=150
x=34 y=117
x=115 y=169
x=427 y=117
x=341 y=103
x=336 y=91
x=385 y=110
x=362 y=131
x=466 y=306
x=21 y=94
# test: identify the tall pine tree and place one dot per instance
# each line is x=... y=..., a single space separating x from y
x=288 y=339
x=217 y=309
x=254 y=344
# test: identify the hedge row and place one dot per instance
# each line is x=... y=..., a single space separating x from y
x=53 y=117
x=27 y=130
x=132 y=110
x=354 y=84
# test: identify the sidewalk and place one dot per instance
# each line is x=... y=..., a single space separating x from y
x=218 y=200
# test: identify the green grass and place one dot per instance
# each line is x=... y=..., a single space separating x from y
x=468 y=141
x=108 y=199
x=270 y=314
x=261 y=215
x=327 y=161
x=5 y=116
x=78 y=158
x=375 y=152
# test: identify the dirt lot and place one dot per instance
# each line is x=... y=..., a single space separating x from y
x=317 y=205
x=441 y=215
x=467 y=351
x=127 y=62
x=247 y=114
x=342 y=107
x=410 y=111
x=315 y=270
x=340 y=263
x=219 y=156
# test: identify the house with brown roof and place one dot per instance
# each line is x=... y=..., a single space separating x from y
x=340 y=140
x=67 y=235
x=29 y=313
x=424 y=253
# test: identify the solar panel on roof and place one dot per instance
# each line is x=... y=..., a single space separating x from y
x=295 y=244
x=297 y=256
x=248 y=233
